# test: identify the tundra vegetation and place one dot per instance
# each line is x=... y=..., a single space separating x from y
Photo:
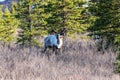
x=94 y=54
x=79 y=60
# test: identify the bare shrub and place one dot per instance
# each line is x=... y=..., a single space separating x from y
x=79 y=61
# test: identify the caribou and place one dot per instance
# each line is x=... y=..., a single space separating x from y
x=54 y=41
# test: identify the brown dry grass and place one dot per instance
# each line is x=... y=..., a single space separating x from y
x=79 y=61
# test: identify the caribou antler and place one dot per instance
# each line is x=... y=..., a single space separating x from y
x=62 y=31
x=52 y=31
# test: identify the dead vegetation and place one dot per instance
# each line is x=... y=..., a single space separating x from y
x=79 y=61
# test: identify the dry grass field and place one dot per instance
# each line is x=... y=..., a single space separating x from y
x=79 y=61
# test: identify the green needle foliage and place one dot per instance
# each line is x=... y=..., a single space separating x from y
x=8 y=25
x=107 y=21
x=41 y=17
x=1 y=24
x=67 y=14
x=23 y=8
x=31 y=22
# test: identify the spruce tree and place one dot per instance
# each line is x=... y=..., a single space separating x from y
x=107 y=20
x=8 y=26
x=107 y=23
x=30 y=14
x=1 y=24
x=66 y=14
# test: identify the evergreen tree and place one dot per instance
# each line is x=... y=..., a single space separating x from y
x=107 y=23
x=23 y=8
x=107 y=20
x=8 y=26
x=32 y=24
x=38 y=17
x=67 y=14
x=1 y=24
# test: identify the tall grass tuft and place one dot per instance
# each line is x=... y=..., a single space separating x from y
x=79 y=60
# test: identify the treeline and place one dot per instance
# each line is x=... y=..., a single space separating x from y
x=39 y=17
x=32 y=19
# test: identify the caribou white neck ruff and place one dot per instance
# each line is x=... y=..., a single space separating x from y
x=60 y=39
